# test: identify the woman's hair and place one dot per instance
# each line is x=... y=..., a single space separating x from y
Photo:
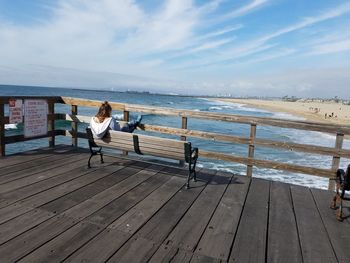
x=104 y=111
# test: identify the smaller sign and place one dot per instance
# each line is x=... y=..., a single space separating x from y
x=35 y=118
x=16 y=111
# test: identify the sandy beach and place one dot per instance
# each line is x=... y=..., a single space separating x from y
x=326 y=112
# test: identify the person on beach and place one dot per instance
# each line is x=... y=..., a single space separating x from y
x=103 y=121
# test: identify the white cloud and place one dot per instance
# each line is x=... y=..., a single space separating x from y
x=333 y=47
x=244 y=9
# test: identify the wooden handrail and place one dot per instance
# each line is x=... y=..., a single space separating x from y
x=301 y=125
x=336 y=152
x=307 y=148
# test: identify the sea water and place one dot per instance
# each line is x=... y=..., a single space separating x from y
x=197 y=104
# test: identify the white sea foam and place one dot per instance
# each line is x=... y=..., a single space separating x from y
x=118 y=116
x=215 y=108
x=287 y=116
x=10 y=126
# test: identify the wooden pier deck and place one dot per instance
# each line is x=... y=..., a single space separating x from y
x=53 y=209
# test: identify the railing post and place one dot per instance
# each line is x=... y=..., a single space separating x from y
x=183 y=138
x=251 y=148
x=336 y=160
x=74 y=126
x=2 y=130
x=51 y=123
x=126 y=118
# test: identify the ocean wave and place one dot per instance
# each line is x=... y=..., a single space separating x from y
x=287 y=116
x=215 y=108
x=10 y=126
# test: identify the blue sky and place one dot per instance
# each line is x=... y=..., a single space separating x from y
x=252 y=47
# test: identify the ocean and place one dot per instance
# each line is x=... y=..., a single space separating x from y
x=197 y=104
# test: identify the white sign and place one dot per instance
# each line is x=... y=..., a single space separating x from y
x=35 y=118
x=15 y=110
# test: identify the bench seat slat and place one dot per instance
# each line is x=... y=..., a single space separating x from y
x=151 y=139
x=145 y=150
x=144 y=144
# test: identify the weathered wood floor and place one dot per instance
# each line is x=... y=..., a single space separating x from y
x=52 y=208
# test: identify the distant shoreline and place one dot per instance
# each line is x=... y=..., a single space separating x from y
x=325 y=112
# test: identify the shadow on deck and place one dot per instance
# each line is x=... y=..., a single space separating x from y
x=52 y=208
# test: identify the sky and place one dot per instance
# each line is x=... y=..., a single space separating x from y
x=243 y=48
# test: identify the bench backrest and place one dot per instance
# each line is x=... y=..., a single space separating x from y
x=144 y=144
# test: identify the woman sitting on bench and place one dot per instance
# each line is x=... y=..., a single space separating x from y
x=103 y=121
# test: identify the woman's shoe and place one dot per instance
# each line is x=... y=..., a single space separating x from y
x=138 y=120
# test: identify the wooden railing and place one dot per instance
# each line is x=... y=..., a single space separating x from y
x=251 y=141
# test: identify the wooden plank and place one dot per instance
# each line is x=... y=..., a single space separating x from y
x=12 y=211
x=283 y=241
x=339 y=233
x=51 y=124
x=189 y=230
x=25 y=243
x=205 y=259
x=160 y=148
x=267 y=164
x=135 y=217
x=28 y=156
x=161 y=224
x=250 y=241
x=184 y=121
x=116 y=208
x=145 y=138
x=73 y=198
x=102 y=199
x=60 y=190
x=9 y=174
x=74 y=161
x=219 y=234
x=46 y=231
x=146 y=151
x=167 y=253
x=314 y=240
x=146 y=144
x=127 y=224
x=14 y=160
x=74 y=127
x=251 y=148
x=21 y=138
x=126 y=116
x=63 y=245
x=91 y=103
x=61 y=176
x=100 y=248
x=138 y=250
x=20 y=224
x=63 y=189
x=55 y=99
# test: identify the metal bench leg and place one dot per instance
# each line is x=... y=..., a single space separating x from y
x=89 y=160
x=101 y=155
x=189 y=175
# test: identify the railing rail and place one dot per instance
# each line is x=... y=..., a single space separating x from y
x=252 y=141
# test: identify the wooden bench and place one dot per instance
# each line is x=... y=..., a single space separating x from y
x=144 y=144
